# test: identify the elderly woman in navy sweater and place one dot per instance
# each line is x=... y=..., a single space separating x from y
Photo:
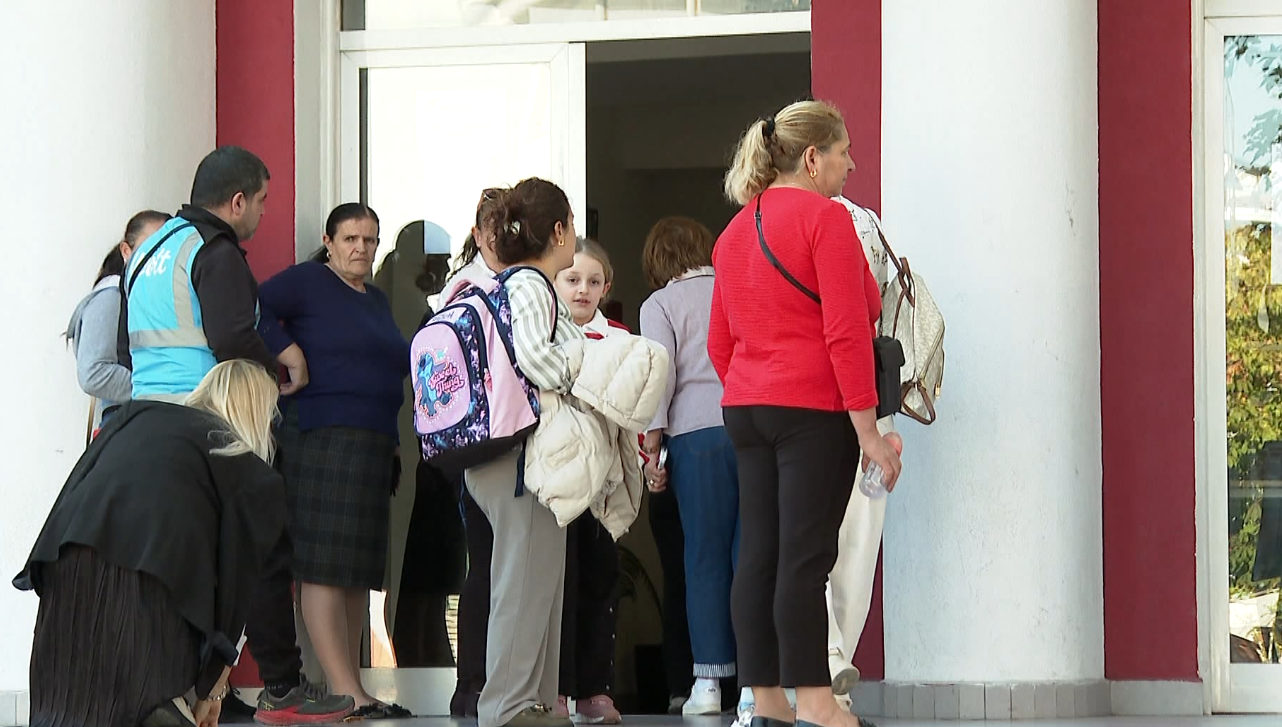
x=339 y=439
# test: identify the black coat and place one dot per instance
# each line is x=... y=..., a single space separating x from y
x=148 y=496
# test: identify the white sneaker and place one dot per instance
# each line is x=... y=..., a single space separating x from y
x=844 y=675
x=703 y=700
x=746 y=711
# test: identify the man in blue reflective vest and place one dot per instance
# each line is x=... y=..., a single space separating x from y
x=190 y=297
x=189 y=301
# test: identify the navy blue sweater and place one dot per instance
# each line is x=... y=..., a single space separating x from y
x=357 y=359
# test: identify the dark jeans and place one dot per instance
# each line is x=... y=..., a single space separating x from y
x=270 y=632
x=797 y=470
x=703 y=474
x=678 y=659
x=474 y=600
x=588 y=618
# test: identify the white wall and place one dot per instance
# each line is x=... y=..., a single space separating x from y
x=993 y=543
x=109 y=106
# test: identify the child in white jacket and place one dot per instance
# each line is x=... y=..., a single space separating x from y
x=588 y=620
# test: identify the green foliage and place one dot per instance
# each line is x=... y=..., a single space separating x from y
x=1253 y=321
x=1253 y=326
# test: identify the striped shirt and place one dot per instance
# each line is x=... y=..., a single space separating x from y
x=539 y=357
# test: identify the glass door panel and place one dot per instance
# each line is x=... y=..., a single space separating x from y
x=1253 y=336
x=1244 y=209
x=428 y=131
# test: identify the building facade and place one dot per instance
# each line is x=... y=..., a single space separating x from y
x=1087 y=187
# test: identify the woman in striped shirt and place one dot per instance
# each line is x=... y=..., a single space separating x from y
x=534 y=230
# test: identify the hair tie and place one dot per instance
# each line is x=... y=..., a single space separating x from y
x=514 y=227
x=768 y=128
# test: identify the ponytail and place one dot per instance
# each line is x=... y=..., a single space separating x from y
x=775 y=145
x=526 y=218
x=753 y=168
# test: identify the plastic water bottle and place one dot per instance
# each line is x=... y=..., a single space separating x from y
x=871 y=484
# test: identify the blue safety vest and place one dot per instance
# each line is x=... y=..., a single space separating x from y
x=166 y=331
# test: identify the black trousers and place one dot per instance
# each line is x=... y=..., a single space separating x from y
x=435 y=566
x=474 y=599
x=796 y=471
x=669 y=538
x=270 y=632
x=588 y=618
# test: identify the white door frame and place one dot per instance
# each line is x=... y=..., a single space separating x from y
x=580 y=32
x=1233 y=687
x=319 y=48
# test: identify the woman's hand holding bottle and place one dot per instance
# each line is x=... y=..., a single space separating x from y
x=881 y=452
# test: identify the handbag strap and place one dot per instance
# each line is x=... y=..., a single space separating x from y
x=761 y=237
x=93 y=405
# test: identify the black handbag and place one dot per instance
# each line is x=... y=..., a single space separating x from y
x=887 y=353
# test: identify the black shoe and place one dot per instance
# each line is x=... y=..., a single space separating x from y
x=772 y=722
x=235 y=711
x=378 y=710
x=463 y=705
x=169 y=714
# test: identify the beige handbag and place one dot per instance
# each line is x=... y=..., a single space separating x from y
x=909 y=314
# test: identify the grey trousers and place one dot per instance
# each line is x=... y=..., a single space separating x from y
x=527 y=575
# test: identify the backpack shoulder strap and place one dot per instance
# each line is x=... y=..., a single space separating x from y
x=885 y=244
x=503 y=278
x=902 y=271
x=761 y=237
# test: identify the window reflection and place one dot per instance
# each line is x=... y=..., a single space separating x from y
x=389 y=14
x=1253 y=337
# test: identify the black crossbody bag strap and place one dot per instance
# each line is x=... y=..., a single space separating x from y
x=761 y=237
x=147 y=258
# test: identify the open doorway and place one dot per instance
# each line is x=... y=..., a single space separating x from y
x=661 y=120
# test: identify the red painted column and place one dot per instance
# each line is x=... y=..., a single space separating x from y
x=1146 y=340
x=255 y=96
x=255 y=81
x=845 y=69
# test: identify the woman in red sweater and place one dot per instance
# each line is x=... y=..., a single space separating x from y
x=800 y=402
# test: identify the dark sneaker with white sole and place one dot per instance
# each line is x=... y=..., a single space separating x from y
x=305 y=704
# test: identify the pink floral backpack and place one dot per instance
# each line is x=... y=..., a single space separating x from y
x=471 y=401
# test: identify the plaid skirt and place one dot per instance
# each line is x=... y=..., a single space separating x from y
x=338 y=485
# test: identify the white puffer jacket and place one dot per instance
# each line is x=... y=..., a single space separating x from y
x=583 y=455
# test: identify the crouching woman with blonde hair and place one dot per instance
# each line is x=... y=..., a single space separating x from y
x=146 y=563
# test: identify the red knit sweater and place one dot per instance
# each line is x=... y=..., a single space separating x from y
x=770 y=344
